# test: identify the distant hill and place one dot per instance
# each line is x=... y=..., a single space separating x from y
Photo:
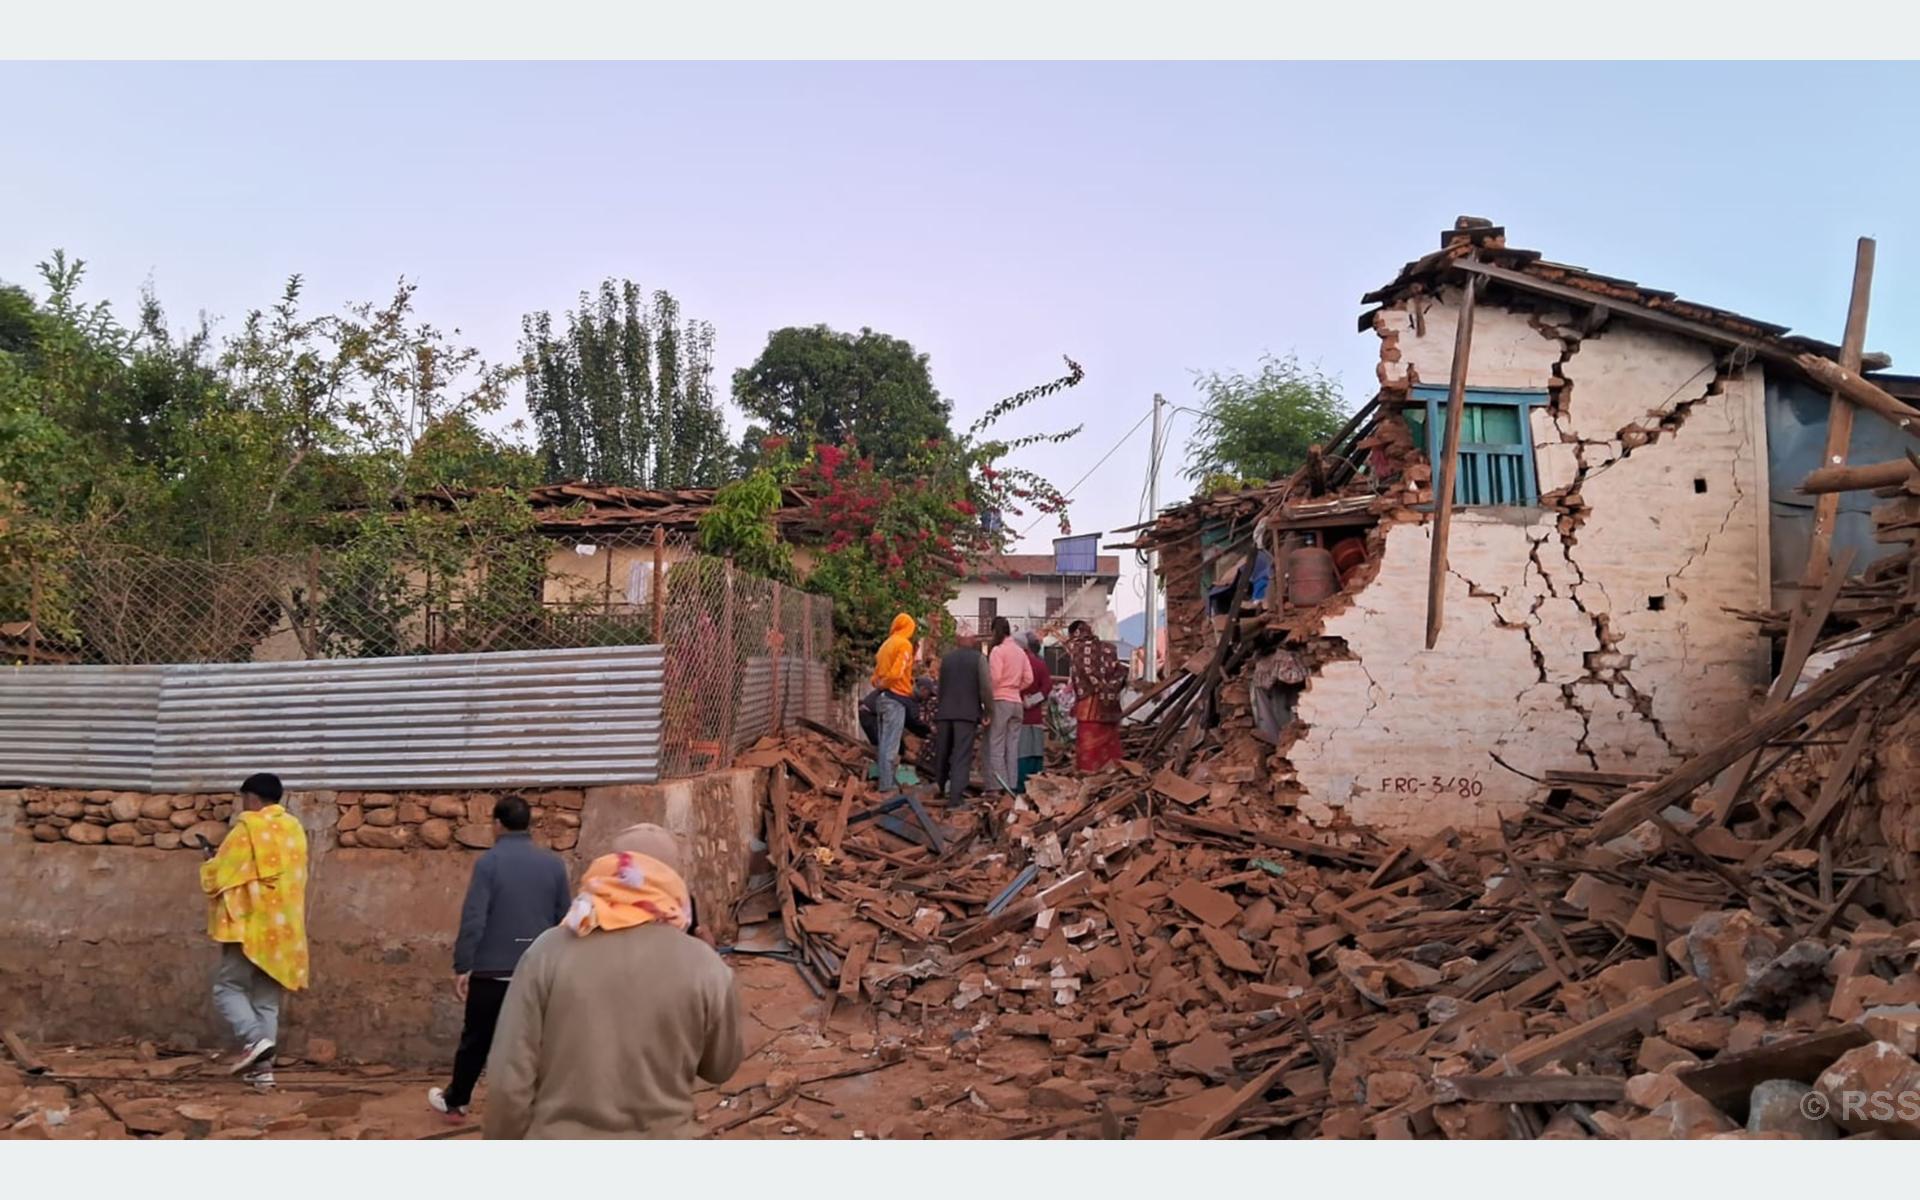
x=1133 y=630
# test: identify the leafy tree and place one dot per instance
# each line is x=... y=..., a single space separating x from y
x=816 y=386
x=359 y=431
x=625 y=395
x=1254 y=428
x=741 y=522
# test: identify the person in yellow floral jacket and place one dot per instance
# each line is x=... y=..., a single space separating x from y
x=256 y=886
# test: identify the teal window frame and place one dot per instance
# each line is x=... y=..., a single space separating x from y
x=1489 y=471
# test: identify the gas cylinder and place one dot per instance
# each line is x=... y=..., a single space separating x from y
x=1310 y=576
x=1349 y=555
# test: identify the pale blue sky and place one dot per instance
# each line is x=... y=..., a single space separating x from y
x=1149 y=220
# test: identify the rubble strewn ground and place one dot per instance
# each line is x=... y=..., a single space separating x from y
x=858 y=1075
x=1725 y=950
x=1195 y=968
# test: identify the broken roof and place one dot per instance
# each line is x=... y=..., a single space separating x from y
x=579 y=506
x=1022 y=566
x=1527 y=270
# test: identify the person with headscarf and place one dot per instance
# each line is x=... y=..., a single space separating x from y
x=1098 y=679
x=615 y=1012
x=1012 y=677
x=1033 y=718
x=893 y=679
x=256 y=889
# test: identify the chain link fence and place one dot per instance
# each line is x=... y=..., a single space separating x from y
x=744 y=655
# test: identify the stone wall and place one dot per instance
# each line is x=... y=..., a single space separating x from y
x=101 y=941
x=1593 y=631
x=448 y=820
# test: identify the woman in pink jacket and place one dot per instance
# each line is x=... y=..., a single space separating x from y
x=1012 y=678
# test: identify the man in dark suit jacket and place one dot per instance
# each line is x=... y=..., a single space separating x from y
x=518 y=892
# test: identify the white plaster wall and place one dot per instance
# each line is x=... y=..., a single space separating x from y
x=1405 y=738
x=1024 y=603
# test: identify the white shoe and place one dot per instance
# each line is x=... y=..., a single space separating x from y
x=261 y=1080
x=251 y=1055
x=437 y=1101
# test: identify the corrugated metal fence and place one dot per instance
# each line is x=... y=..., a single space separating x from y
x=805 y=689
x=511 y=719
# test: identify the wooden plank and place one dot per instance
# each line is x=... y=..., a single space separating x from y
x=1242 y=1100
x=1729 y=1079
x=777 y=854
x=1857 y=390
x=856 y=962
x=1293 y=845
x=1859 y=479
x=21 y=1054
x=1602 y=1031
x=1889 y=650
x=1449 y=467
x=1801 y=635
x=1822 y=371
x=1530 y=1089
x=1826 y=509
x=1073 y=885
x=1832 y=789
x=836 y=832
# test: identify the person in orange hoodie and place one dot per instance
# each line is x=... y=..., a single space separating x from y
x=893 y=675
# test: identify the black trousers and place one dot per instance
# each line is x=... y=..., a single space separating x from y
x=484 y=997
x=953 y=757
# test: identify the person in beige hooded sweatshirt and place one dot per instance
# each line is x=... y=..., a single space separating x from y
x=615 y=1011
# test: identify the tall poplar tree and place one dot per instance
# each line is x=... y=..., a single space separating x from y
x=625 y=394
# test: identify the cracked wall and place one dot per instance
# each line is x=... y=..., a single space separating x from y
x=1590 y=632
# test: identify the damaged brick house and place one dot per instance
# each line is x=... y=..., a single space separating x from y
x=1624 y=504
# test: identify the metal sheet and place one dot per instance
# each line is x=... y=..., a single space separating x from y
x=516 y=719
x=79 y=727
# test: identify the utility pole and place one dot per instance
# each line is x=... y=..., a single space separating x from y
x=1151 y=671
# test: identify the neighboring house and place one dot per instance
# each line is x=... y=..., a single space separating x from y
x=603 y=552
x=1625 y=495
x=1032 y=593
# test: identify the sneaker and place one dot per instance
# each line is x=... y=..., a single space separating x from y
x=437 y=1101
x=261 y=1080
x=251 y=1055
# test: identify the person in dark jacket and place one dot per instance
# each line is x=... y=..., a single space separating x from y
x=1033 y=719
x=966 y=699
x=518 y=892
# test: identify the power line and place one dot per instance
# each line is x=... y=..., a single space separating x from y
x=1090 y=470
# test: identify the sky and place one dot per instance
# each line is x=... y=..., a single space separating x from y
x=1148 y=220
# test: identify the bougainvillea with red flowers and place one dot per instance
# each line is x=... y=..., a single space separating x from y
x=903 y=542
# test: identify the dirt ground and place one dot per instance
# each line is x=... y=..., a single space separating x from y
x=852 y=1074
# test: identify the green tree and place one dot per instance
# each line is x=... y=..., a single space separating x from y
x=816 y=386
x=897 y=542
x=1253 y=428
x=625 y=394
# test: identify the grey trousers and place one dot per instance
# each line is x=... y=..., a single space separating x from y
x=1003 y=745
x=246 y=997
x=893 y=726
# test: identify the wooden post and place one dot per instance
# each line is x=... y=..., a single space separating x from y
x=606 y=589
x=1449 y=466
x=1826 y=510
x=736 y=669
x=776 y=636
x=659 y=584
x=33 y=614
x=806 y=650
x=1859 y=479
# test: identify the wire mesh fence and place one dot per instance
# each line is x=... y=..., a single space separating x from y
x=744 y=655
